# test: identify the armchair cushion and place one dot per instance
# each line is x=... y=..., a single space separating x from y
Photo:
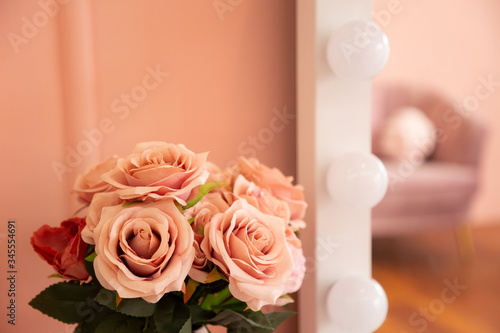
x=406 y=132
x=436 y=194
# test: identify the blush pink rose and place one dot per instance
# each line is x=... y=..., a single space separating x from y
x=299 y=262
x=278 y=185
x=268 y=204
x=90 y=182
x=143 y=250
x=63 y=248
x=251 y=249
x=202 y=213
x=262 y=199
x=158 y=170
x=218 y=175
x=299 y=267
x=99 y=201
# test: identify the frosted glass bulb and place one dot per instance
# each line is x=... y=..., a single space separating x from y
x=357 y=180
x=357 y=304
x=358 y=50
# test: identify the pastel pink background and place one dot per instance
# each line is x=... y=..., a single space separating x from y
x=228 y=80
x=449 y=44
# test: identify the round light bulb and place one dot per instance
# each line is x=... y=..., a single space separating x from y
x=358 y=50
x=357 y=304
x=357 y=180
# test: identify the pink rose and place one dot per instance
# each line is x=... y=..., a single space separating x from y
x=143 y=250
x=251 y=249
x=99 y=201
x=299 y=262
x=268 y=204
x=278 y=185
x=261 y=199
x=218 y=175
x=202 y=213
x=63 y=248
x=299 y=267
x=90 y=183
x=158 y=170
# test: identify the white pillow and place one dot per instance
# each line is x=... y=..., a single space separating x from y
x=407 y=135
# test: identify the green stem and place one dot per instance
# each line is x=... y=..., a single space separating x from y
x=204 y=190
x=212 y=301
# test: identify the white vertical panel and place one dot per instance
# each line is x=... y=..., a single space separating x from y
x=333 y=119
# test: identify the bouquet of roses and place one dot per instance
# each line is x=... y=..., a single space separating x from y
x=171 y=243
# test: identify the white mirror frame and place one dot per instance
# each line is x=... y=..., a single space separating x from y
x=333 y=119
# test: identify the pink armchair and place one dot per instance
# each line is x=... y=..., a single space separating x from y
x=438 y=193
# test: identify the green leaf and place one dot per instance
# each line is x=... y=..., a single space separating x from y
x=150 y=326
x=91 y=257
x=242 y=320
x=204 y=289
x=250 y=321
x=215 y=275
x=204 y=190
x=68 y=302
x=276 y=318
x=267 y=322
x=233 y=304
x=55 y=276
x=89 y=266
x=172 y=315
x=187 y=328
x=90 y=249
x=119 y=323
x=89 y=325
x=135 y=307
x=200 y=316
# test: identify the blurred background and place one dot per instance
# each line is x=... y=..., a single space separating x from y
x=450 y=46
x=440 y=269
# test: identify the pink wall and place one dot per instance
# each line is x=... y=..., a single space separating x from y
x=230 y=77
x=451 y=45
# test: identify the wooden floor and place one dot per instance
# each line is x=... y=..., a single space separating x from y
x=431 y=290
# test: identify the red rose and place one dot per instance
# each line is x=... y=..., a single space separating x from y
x=63 y=248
